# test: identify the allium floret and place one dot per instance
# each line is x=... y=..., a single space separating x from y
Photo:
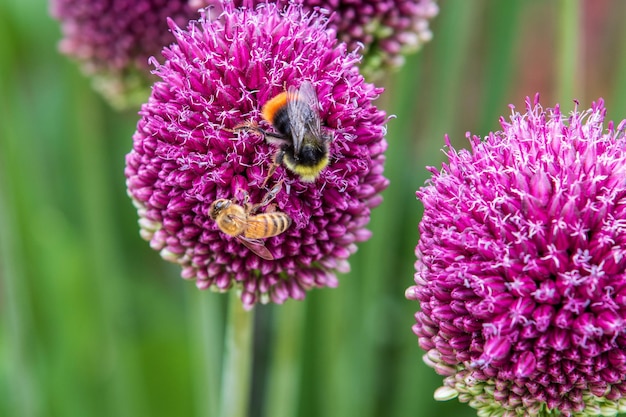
x=216 y=77
x=521 y=267
x=386 y=30
x=112 y=40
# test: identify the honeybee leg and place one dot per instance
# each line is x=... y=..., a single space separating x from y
x=241 y=197
x=270 y=195
x=246 y=197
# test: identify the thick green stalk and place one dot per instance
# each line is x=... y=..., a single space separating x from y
x=283 y=385
x=206 y=318
x=237 y=371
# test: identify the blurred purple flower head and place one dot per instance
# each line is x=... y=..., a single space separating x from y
x=521 y=267
x=386 y=29
x=216 y=76
x=113 y=40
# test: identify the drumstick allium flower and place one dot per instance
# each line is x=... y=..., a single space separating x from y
x=217 y=76
x=112 y=40
x=521 y=267
x=386 y=29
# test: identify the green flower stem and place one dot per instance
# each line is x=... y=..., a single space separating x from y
x=283 y=386
x=568 y=61
x=237 y=371
x=206 y=319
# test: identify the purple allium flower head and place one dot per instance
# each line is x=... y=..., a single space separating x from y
x=113 y=39
x=386 y=29
x=521 y=267
x=216 y=76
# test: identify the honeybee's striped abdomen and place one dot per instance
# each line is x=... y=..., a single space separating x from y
x=267 y=225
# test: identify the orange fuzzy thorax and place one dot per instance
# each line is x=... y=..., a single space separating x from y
x=271 y=107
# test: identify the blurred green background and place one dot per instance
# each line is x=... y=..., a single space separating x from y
x=94 y=323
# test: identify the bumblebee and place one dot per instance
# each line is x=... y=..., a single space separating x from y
x=302 y=146
x=249 y=228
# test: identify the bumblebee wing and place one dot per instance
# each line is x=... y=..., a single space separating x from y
x=257 y=247
x=303 y=111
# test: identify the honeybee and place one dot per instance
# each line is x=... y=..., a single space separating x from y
x=249 y=228
x=302 y=146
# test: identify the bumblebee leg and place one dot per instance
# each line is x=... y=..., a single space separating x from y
x=271 y=171
x=247 y=125
x=251 y=125
x=272 y=134
x=278 y=159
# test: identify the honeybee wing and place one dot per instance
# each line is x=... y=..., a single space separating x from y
x=257 y=247
x=303 y=111
x=240 y=221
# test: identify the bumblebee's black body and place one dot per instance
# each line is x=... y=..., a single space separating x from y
x=303 y=148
